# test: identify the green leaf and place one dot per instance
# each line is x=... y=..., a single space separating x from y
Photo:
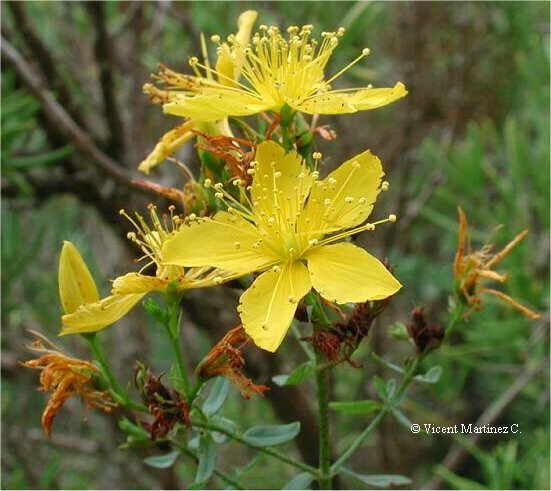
x=356 y=407
x=380 y=385
x=268 y=435
x=217 y=395
x=300 y=481
x=222 y=422
x=40 y=160
x=296 y=376
x=207 y=459
x=386 y=363
x=456 y=481
x=380 y=480
x=162 y=461
x=401 y=417
x=133 y=429
x=431 y=377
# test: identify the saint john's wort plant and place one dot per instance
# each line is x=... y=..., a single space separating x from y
x=259 y=212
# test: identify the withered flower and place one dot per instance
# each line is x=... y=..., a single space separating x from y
x=226 y=359
x=339 y=341
x=66 y=377
x=471 y=268
x=426 y=337
x=166 y=406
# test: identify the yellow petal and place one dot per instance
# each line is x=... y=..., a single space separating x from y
x=345 y=198
x=214 y=104
x=268 y=306
x=245 y=24
x=229 y=64
x=167 y=145
x=345 y=102
x=76 y=285
x=95 y=316
x=281 y=183
x=225 y=241
x=345 y=273
x=138 y=283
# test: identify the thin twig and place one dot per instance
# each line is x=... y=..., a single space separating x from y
x=43 y=56
x=105 y=57
x=58 y=115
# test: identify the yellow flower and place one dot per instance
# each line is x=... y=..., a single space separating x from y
x=228 y=66
x=283 y=233
x=277 y=71
x=90 y=314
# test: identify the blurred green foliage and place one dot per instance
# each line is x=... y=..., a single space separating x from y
x=495 y=166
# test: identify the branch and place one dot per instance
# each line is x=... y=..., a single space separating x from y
x=105 y=59
x=457 y=453
x=43 y=57
x=56 y=114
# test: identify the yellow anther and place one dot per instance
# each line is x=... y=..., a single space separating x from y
x=192 y=216
x=366 y=51
x=251 y=172
x=277 y=174
x=193 y=60
x=315 y=174
x=276 y=269
x=237 y=182
x=313 y=242
x=392 y=218
x=349 y=199
x=215 y=38
x=341 y=31
x=237 y=245
x=218 y=195
x=218 y=186
x=369 y=226
x=332 y=181
x=362 y=201
x=207 y=183
x=385 y=185
x=218 y=280
x=316 y=155
x=326 y=201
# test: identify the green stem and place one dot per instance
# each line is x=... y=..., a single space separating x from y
x=322 y=382
x=180 y=363
x=265 y=450
x=117 y=391
x=406 y=381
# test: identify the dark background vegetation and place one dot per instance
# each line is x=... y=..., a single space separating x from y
x=473 y=131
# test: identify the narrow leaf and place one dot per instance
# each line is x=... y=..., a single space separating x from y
x=222 y=422
x=207 y=459
x=300 y=481
x=380 y=480
x=268 y=435
x=162 y=461
x=401 y=417
x=299 y=374
x=431 y=377
x=217 y=395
